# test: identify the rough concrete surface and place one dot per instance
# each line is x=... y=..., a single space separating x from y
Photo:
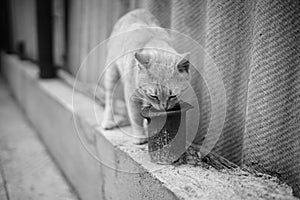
x=206 y=182
x=27 y=171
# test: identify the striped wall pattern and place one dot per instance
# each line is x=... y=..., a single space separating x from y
x=272 y=134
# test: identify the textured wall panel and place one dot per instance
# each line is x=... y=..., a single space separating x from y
x=272 y=137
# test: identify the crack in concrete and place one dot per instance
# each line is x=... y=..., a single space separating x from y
x=4 y=180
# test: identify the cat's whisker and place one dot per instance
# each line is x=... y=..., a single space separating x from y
x=188 y=100
x=182 y=96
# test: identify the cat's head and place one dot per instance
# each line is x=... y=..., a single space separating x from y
x=162 y=77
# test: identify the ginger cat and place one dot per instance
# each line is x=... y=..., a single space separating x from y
x=152 y=72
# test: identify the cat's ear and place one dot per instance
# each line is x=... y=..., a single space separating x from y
x=184 y=64
x=143 y=59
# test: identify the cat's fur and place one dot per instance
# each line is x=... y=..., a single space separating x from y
x=152 y=72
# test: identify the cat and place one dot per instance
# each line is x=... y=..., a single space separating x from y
x=139 y=53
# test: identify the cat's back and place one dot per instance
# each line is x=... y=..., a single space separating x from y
x=136 y=19
x=132 y=32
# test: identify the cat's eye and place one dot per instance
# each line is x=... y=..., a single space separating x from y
x=153 y=97
x=172 y=97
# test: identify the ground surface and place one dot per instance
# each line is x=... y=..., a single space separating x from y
x=27 y=171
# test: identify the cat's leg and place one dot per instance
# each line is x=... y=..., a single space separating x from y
x=136 y=120
x=110 y=81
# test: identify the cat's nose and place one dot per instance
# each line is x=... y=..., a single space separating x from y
x=164 y=105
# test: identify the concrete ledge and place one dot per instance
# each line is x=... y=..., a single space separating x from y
x=125 y=171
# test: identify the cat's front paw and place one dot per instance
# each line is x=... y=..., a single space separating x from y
x=139 y=136
x=109 y=124
x=140 y=141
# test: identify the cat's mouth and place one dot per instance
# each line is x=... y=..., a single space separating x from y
x=150 y=110
x=160 y=108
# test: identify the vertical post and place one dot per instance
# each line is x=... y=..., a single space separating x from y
x=66 y=32
x=45 y=38
x=6 y=39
